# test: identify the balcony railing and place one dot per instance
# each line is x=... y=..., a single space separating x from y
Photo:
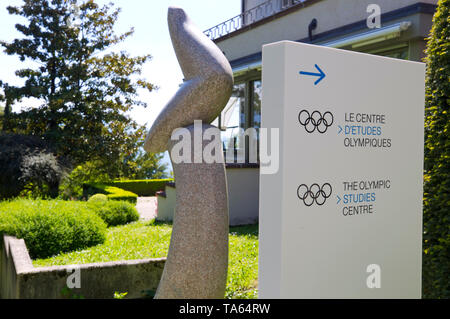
x=250 y=16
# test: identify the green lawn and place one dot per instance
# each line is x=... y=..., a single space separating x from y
x=140 y=240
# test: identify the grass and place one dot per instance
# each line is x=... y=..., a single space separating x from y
x=136 y=240
x=243 y=263
x=140 y=240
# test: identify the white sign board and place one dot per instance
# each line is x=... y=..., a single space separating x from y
x=342 y=217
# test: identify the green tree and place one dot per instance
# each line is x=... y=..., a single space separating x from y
x=2 y=109
x=8 y=97
x=137 y=164
x=143 y=165
x=86 y=88
x=436 y=262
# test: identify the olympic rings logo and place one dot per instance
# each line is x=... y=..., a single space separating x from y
x=316 y=120
x=315 y=193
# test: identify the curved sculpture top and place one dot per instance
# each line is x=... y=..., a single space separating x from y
x=208 y=82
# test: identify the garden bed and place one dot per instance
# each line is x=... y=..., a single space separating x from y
x=20 y=280
x=147 y=240
x=104 y=238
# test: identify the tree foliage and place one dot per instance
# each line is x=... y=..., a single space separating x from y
x=136 y=164
x=8 y=97
x=436 y=261
x=85 y=87
x=142 y=165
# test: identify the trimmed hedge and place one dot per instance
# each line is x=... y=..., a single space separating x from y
x=51 y=227
x=102 y=198
x=436 y=201
x=113 y=193
x=115 y=213
x=145 y=187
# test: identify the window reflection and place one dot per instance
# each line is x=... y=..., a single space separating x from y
x=256 y=104
x=243 y=111
x=232 y=120
x=255 y=118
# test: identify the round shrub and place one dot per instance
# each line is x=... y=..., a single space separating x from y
x=98 y=198
x=115 y=212
x=25 y=161
x=51 y=227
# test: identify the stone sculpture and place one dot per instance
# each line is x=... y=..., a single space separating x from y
x=197 y=261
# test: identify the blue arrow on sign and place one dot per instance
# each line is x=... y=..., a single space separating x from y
x=321 y=74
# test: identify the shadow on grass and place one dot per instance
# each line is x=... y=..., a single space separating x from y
x=155 y=222
x=244 y=230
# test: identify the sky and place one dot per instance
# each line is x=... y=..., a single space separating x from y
x=151 y=36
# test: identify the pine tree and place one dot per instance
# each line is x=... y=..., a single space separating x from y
x=86 y=87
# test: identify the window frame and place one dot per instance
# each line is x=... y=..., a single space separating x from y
x=248 y=78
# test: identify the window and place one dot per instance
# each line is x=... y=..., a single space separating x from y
x=256 y=104
x=286 y=3
x=232 y=119
x=243 y=111
x=255 y=114
x=398 y=52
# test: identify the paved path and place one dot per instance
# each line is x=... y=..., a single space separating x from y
x=146 y=207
